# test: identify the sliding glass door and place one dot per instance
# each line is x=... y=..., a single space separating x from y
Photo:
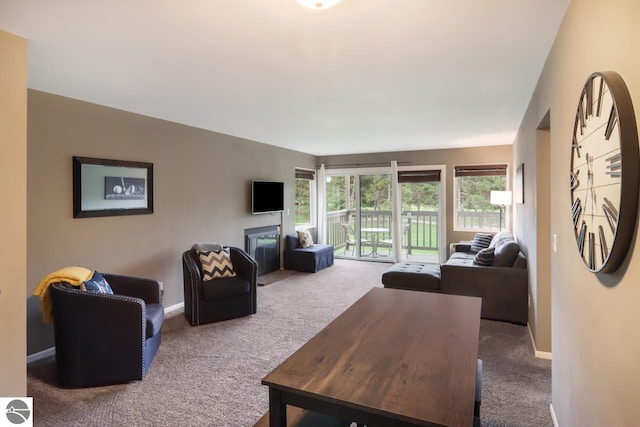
x=421 y=197
x=340 y=211
x=358 y=210
x=360 y=217
x=376 y=220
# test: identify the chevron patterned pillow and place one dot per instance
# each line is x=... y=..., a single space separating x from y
x=216 y=265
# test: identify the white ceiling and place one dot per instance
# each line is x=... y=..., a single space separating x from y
x=364 y=76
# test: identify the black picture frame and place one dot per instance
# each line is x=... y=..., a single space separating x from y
x=519 y=184
x=105 y=187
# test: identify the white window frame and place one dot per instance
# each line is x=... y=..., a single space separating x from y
x=313 y=216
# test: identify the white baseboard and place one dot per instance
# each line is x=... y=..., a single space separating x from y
x=168 y=311
x=553 y=415
x=174 y=309
x=543 y=355
x=538 y=354
x=41 y=355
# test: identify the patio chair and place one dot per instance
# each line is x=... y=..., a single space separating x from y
x=350 y=239
x=388 y=243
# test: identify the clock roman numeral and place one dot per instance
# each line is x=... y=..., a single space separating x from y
x=589 y=98
x=576 y=146
x=600 y=95
x=614 y=165
x=574 y=181
x=581 y=117
x=592 y=251
x=611 y=213
x=581 y=236
x=604 y=250
x=576 y=210
x=611 y=123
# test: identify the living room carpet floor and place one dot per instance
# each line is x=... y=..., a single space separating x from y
x=210 y=375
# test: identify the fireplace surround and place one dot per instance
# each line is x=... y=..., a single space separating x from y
x=263 y=245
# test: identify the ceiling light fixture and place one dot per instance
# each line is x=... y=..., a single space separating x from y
x=318 y=4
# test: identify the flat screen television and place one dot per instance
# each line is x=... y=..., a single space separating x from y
x=267 y=196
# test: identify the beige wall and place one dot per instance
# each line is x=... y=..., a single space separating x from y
x=532 y=219
x=447 y=157
x=595 y=322
x=201 y=190
x=13 y=251
x=540 y=283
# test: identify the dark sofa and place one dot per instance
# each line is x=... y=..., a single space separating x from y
x=310 y=260
x=503 y=285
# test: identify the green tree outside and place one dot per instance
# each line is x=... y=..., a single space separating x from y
x=474 y=192
x=302 y=201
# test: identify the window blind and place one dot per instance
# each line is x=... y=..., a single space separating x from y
x=305 y=174
x=481 y=170
x=419 y=176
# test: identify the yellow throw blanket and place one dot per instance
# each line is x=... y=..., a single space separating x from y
x=72 y=275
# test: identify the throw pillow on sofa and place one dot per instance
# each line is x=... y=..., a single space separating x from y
x=304 y=236
x=506 y=252
x=484 y=257
x=501 y=237
x=97 y=283
x=481 y=241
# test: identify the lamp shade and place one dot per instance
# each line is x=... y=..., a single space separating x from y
x=318 y=4
x=502 y=198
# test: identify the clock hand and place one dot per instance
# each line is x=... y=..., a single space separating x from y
x=590 y=187
x=593 y=190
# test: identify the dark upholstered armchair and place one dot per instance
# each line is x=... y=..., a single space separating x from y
x=220 y=299
x=106 y=338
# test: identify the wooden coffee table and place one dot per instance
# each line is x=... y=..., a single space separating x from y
x=394 y=358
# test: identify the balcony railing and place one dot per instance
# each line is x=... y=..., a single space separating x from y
x=422 y=230
x=479 y=220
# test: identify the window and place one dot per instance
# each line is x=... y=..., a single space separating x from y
x=472 y=189
x=305 y=198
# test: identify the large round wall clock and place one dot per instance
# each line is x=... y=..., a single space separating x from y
x=604 y=172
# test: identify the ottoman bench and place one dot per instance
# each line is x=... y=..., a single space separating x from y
x=309 y=260
x=415 y=277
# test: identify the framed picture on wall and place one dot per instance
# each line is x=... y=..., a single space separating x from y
x=519 y=184
x=124 y=188
x=103 y=187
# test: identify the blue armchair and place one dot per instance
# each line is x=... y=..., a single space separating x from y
x=106 y=339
